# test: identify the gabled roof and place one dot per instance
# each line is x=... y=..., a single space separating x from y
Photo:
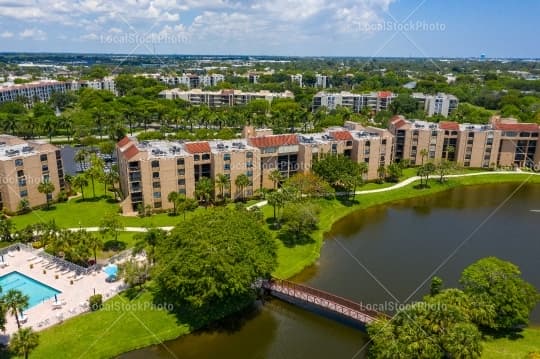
x=384 y=94
x=131 y=151
x=274 y=141
x=449 y=125
x=515 y=126
x=197 y=147
x=341 y=135
x=124 y=141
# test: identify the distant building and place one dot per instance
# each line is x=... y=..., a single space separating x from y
x=321 y=81
x=297 y=79
x=373 y=101
x=23 y=166
x=439 y=104
x=253 y=78
x=223 y=97
x=193 y=80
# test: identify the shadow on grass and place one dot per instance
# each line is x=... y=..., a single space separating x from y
x=291 y=240
x=347 y=201
x=114 y=245
x=510 y=334
x=95 y=199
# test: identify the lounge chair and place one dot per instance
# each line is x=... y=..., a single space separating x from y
x=11 y=254
x=31 y=258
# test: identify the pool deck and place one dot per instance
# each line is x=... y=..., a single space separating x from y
x=73 y=299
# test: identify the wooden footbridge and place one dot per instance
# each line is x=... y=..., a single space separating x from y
x=321 y=302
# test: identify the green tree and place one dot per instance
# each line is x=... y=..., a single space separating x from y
x=241 y=182
x=276 y=200
x=443 y=169
x=172 y=197
x=299 y=220
x=423 y=154
x=276 y=177
x=15 y=302
x=494 y=282
x=96 y=171
x=394 y=172
x=204 y=189
x=111 y=226
x=93 y=242
x=436 y=286
x=81 y=182
x=208 y=265
x=134 y=273
x=223 y=182
x=46 y=188
x=23 y=342
x=424 y=172
x=185 y=204
x=148 y=241
x=6 y=229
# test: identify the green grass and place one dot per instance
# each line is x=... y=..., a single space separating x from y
x=122 y=325
x=506 y=348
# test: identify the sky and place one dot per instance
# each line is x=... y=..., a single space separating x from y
x=373 y=28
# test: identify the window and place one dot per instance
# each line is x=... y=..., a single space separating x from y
x=156 y=184
x=348 y=143
x=20 y=173
x=181 y=182
x=22 y=182
x=19 y=162
x=180 y=162
x=24 y=193
x=157 y=204
x=227 y=167
x=471 y=134
x=384 y=141
x=43 y=158
x=196 y=157
x=206 y=157
x=44 y=168
x=155 y=164
x=227 y=157
x=181 y=172
x=182 y=191
x=249 y=154
x=249 y=164
x=155 y=174
x=157 y=194
x=249 y=173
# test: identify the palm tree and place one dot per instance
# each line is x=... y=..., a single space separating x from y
x=223 y=182
x=92 y=241
x=95 y=171
x=204 y=189
x=47 y=188
x=173 y=198
x=15 y=302
x=241 y=182
x=276 y=177
x=423 y=154
x=81 y=182
x=276 y=200
x=23 y=342
x=81 y=156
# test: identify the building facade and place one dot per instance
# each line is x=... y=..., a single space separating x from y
x=223 y=97
x=439 y=104
x=23 y=166
x=373 y=101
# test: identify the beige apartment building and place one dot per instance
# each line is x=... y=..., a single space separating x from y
x=222 y=98
x=501 y=143
x=23 y=166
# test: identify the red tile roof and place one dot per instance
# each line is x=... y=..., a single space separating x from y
x=341 y=135
x=197 y=147
x=449 y=125
x=131 y=151
x=124 y=141
x=515 y=126
x=384 y=94
x=399 y=122
x=274 y=141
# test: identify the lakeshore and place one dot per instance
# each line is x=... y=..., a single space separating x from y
x=106 y=336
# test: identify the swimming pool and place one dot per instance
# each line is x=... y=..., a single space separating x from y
x=37 y=291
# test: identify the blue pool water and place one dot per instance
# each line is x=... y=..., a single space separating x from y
x=111 y=270
x=37 y=291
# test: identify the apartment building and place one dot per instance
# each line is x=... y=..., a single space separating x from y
x=298 y=79
x=222 y=98
x=321 y=81
x=253 y=78
x=439 y=104
x=373 y=101
x=150 y=170
x=193 y=80
x=23 y=166
x=502 y=142
x=41 y=91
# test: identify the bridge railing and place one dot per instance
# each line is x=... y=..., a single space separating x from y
x=273 y=283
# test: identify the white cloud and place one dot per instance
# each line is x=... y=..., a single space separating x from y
x=33 y=34
x=6 y=35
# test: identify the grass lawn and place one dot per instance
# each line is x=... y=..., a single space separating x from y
x=513 y=348
x=122 y=325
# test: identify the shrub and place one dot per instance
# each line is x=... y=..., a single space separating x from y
x=31 y=266
x=96 y=302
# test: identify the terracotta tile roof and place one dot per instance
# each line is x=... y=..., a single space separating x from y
x=274 y=141
x=131 y=151
x=449 y=125
x=341 y=135
x=124 y=141
x=197 y=147
x=384 y=94
x=399 y=122
x=515 y=126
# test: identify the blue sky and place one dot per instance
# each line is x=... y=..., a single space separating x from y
x=417 y=28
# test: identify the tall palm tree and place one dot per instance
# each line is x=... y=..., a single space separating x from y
x=423 y=154
x=81 y=182
x=95 y=172
x=92 y=241
x=241 y=182
x=276 y=177
x=23 y=342
x=47 y=188
x=15 y=302
x=204 y=189
x=173 y=198
x=223 y=182
x=80 y=157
